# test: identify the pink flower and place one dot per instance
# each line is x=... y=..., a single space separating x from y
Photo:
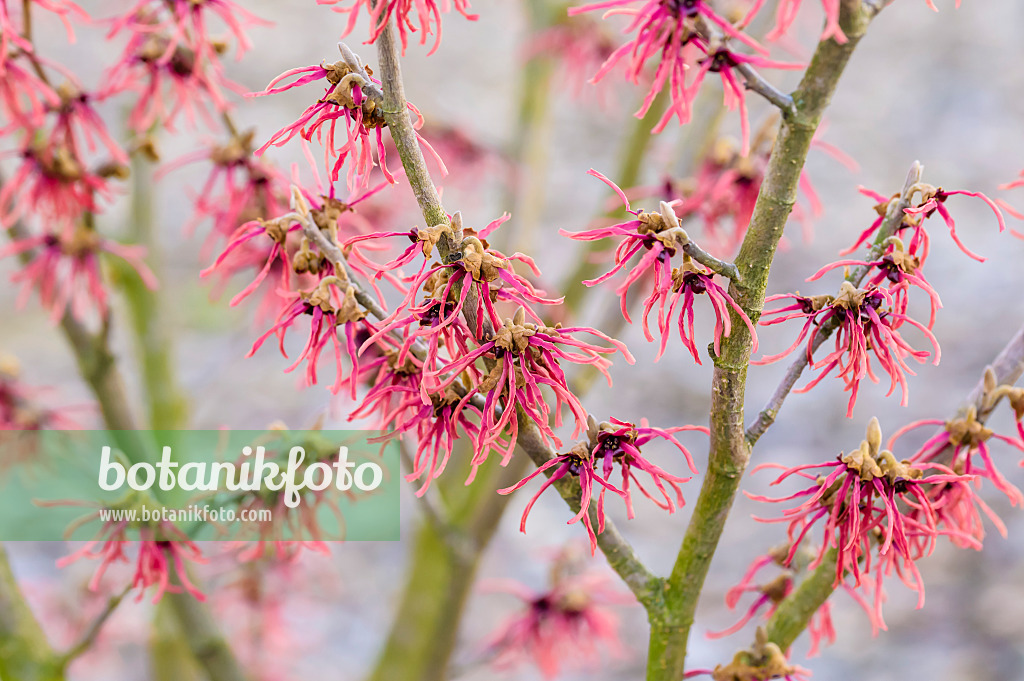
x=568 y=625
x=971 y=454
x=333 y=312
x=80 y=129
x=618 y=446
x=610 y=446
x=475 y=267
x=188 y=24
x=436 y=426
x=688 y=281
x=523 y=357
x=10 y=34
x=660 y=238
x=243 y=252
x=577 y=462
x=867 y=324
x=349 y=98
x=769 y=595
x=284 y=261
x=161 y=547
x=427 y=20
x=65 y=270
x=432 y=326
x=670 y=30
x=24 y=97
x=896 y=269
x=238 y=187
x=51 y=183
x=868 y=498
x=401 y=408
x=933 y=200
x=173 y=58
x=722 y=62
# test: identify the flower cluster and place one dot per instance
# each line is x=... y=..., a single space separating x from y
x=173 y=62
x=866 y=321
x=68 y=158
x=65 y=269
x=353 y=97
x=611 y=446
x=442 y=367
x=879 y=515
x=659 y=237
x=770 y=594
x=162 y=551
x=427 y=18
x=569 y=623
x=683 y=35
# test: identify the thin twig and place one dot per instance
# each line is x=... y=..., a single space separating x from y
x=755 y=82
x=674 y=229
x=454 y=537
x=90 y=635
x=726 y=269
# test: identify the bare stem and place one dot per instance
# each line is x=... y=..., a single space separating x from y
x=730 y=451
x=25 y=654
x=91 y=634
x=726 y=269
x=755 y=82
x=396 y=113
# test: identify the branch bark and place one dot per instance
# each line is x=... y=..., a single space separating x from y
x=25 y=654
x=729 y=450
x=402 y=131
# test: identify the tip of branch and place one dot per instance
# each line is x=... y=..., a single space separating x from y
x=913 y=176
x=350 y=57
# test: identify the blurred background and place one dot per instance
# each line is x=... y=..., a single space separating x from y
x=944 y=88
